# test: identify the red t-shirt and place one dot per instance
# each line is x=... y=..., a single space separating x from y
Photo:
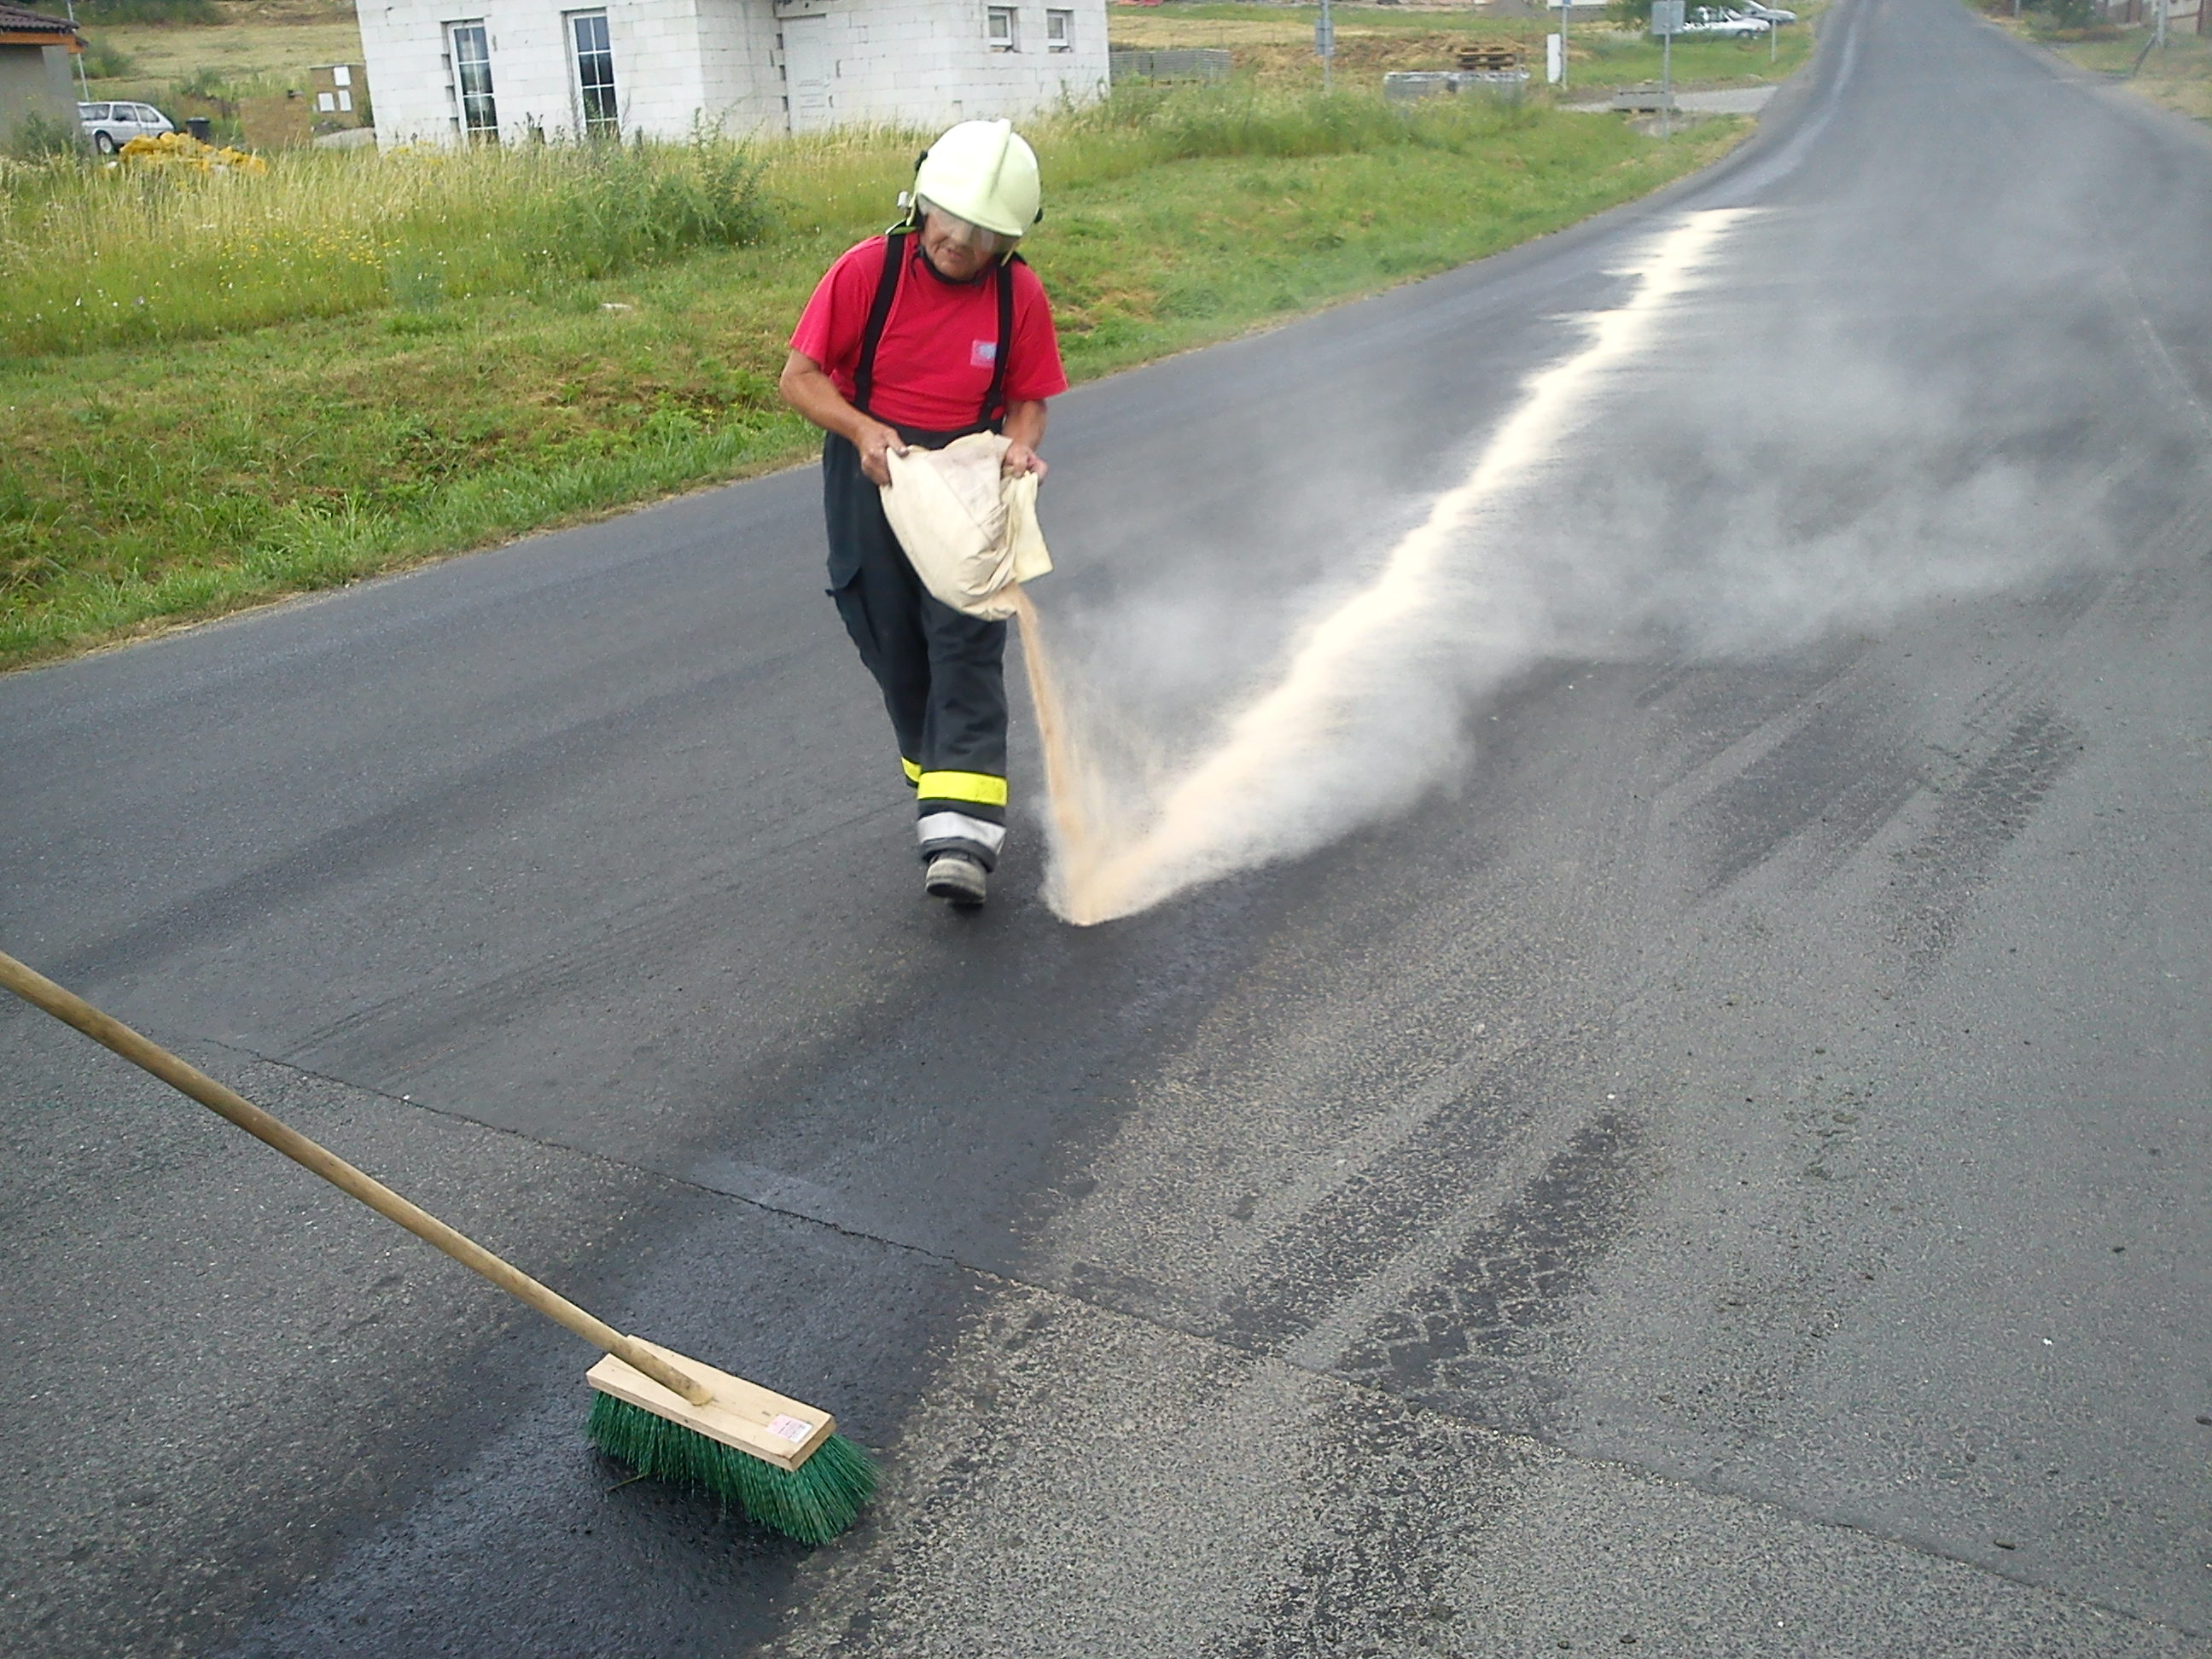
x=933 y=364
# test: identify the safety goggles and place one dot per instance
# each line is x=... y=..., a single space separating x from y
x=966 y=235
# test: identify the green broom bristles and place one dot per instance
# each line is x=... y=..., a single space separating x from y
x=813 y=1503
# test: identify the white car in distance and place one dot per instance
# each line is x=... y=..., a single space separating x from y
x=1718 y=23
x=111 y=126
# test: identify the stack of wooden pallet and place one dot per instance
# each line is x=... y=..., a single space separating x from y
x=1490 y=58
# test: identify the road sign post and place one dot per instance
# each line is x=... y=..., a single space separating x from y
x=1667 y=23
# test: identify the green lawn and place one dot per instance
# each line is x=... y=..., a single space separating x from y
x=165 y=463
x=2178 y=75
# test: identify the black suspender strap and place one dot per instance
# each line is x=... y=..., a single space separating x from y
x=994 y=399
x=895 y=257
x=864 y=377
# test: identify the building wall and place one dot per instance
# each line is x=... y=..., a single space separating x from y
x=741 y=73
x=680 y=63
x=659 y=66
x=929 y=62
x=35 y=81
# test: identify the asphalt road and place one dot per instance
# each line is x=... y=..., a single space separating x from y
x=1725 y=1172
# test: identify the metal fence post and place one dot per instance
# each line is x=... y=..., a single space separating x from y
x=1666 y=23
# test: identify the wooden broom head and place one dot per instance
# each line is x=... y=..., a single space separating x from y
x=768 y=1426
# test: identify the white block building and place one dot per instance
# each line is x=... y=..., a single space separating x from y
x=445 y=71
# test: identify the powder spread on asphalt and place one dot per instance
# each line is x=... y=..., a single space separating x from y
x=1123 y=841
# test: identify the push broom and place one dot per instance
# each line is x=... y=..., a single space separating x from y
x=668 y=1417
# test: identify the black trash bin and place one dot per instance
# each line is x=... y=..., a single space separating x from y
x=197 y=126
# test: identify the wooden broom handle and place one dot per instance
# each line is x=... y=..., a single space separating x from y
x=41 y=992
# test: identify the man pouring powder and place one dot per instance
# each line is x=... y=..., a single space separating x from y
x=936 y=330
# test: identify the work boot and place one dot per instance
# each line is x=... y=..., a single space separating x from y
x=956 y=877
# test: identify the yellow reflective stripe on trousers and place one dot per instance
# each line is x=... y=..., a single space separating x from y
x=958 y=826
x=911 y=769
x=981 y=787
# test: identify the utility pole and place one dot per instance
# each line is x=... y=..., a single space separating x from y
x=83 y=85
x=1325 y=43
x=1565 y=6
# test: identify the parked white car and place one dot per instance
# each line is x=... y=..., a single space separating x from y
x=1768 y=13
x=1716 y=23
x=111 y=126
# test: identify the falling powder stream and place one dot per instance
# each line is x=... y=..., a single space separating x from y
x=1069 y=781
x=1119 y=848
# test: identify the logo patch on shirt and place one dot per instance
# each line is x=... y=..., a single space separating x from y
x=983 y=354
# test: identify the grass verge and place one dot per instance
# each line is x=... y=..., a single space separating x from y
x=155 y=480
x=1273 y=45
x=2178 y=75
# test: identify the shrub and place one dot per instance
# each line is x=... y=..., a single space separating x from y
x=40 y=137
x=148 y=11
x=209 y=85
x=96 y=256
x=105 y=62
x=1143 y=126
x=2068 y=13
x=603 y=207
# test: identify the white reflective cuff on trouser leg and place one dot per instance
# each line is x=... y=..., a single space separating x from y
x=958 y=826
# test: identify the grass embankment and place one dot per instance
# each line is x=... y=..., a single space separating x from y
x=356 y=362
x=1273 y=45
x=2178 y=75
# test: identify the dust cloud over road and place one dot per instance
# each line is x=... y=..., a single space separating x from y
x=1753 y=449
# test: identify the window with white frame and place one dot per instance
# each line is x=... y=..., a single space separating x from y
x=594 y=53
x=468 y=47
x=1000 y=28
x=1059 y=30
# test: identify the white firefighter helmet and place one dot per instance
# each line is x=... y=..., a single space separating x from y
x=982 y=172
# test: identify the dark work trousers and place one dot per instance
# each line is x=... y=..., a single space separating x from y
x=942 y=671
